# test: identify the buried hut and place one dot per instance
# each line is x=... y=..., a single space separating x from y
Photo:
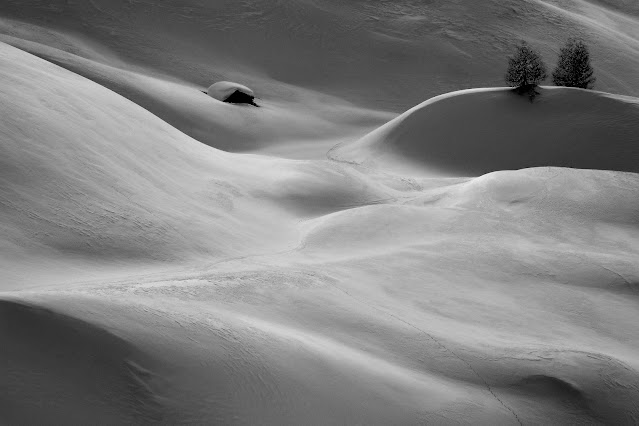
x=232 y=93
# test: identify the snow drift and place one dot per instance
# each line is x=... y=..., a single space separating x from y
x=58 y=369
x=473 y=132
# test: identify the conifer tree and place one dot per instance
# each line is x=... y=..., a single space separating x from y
x=573 y=68
x=526 y=69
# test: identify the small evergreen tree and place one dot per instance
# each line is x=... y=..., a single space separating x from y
x=573 y=68
x=526 y=69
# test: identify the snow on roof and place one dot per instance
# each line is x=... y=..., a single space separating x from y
x=223 y=89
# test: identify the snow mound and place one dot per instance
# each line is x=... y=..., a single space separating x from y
x=478 y=131
x=50 y=356
x=222 y=90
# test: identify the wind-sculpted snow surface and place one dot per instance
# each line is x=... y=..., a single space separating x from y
x=325 y=71
x=57 y=369
x=472 y=132
x=89 y=175
x=382 y=54
x=239 y=289
x=472 y=261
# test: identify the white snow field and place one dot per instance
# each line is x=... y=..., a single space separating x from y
x=166 y=258
x=565 y=127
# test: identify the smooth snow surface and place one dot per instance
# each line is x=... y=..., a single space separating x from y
x=223 y=89
x=165 y=259
x=563 y=127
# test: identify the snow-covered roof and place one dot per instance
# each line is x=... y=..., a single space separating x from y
x=223 y=89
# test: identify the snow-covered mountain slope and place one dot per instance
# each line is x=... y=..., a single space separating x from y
x=473 y=132
x=378 y=54
x=89 y=174
x=147 y=278
x=240 y=289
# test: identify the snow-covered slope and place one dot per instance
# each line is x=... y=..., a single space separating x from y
x=378 y=54
x=336 y=67
x=242 y=289
x=88 y=175
x=147 y=278
x=473 y=132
